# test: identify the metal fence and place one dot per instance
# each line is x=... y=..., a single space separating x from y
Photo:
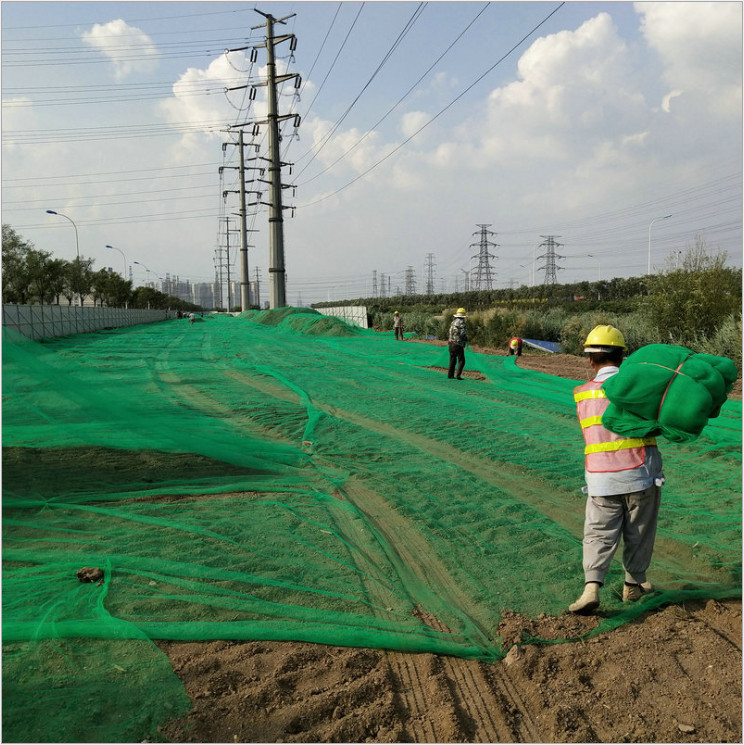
x=352 y=313
x=48 y=321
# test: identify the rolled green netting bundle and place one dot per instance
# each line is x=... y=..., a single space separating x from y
x=667 y=390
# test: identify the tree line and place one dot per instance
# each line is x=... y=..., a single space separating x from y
x=33 y=276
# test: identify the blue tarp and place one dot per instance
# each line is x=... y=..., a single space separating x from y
x=546 y=346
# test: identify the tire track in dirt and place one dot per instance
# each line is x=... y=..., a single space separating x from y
x=476 y=712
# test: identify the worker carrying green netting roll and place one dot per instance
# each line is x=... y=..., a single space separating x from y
x=623 y=482
x=661 y=389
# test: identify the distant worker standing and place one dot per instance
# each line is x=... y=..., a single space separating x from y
x=515 y=346
x=398 y=326
x=458 y=338
x=623 y=480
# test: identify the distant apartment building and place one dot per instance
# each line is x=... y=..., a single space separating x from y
x=198 y=293
x=235 y=296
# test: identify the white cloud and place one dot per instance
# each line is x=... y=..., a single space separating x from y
x=666 y=103
x=412 y=121
x=186 y=105
x=19 y=117
x=577 y=84
x=700 y=45
x=129 y=49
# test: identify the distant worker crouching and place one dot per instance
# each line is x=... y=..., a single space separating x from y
x=515 y=346
x=458 y=338
x=623 y=482
x=398 y=326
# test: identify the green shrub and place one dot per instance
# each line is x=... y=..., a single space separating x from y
x=726 y=342
x=692 y=302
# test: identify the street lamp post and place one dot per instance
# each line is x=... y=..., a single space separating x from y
x=77 y=250
x=77 y=242
x=123 y=256
x=146 y=268
x=665 y=217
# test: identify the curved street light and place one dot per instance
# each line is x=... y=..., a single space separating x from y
x=147 y=269
x=124 y=257
x=143 y=265
x=665 y=217
x=76 y=280
x=77 y=242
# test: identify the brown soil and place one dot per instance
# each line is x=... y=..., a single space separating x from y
x=673 y=675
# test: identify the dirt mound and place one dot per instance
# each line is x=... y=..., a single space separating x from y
x=672 y=676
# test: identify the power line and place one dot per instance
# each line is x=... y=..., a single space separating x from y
x=399 y=101
x=409 y=24
x=436 y=116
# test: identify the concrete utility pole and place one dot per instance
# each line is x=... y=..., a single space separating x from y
x=483 y=278
x=245 y=287
x=550 y=256
x=277 y=272
x=258 y=290
x=227 y=265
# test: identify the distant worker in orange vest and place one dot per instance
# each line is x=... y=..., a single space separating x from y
x=515 y=346
x=398 y=326
x=623 y=483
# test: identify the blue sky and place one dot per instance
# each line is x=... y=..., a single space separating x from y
x=420 y=121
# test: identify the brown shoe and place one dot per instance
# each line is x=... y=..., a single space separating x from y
x=632 y=593
x=588 y=601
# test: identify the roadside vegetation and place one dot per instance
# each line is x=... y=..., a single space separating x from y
x=696 y=302
x=30 y=276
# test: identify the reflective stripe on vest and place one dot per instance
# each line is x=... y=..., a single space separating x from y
x=605 y=451
x=592 y=393
x=632 y=442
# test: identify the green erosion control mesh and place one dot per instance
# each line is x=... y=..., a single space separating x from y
x=282 y=475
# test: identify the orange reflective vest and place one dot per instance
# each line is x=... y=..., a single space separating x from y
x=605 y=451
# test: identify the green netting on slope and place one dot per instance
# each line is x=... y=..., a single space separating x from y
x=252 y=478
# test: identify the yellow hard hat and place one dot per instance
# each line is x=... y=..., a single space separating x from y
x=604 y=339
x=460 y=312
x=396 y=313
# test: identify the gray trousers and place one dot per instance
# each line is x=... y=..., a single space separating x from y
x=630 y=516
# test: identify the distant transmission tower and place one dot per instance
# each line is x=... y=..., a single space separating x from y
x=374 y=283
x=483 y=277
x=550 y=256
x=410 y=281
x=430 y=265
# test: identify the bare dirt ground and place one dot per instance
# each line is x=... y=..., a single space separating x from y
x=673 y=675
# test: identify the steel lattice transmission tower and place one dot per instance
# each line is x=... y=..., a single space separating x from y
x=550 y=256
x=374 y=283
x=483 y=272
x=430 y=266
x=410 y=281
